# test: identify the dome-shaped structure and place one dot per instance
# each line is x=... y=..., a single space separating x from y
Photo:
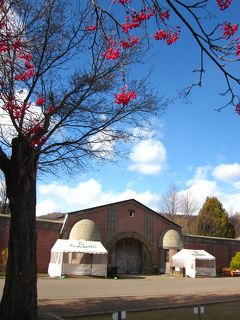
x=172 y=239
x=85 y=229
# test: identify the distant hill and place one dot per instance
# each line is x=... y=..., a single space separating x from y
x=53 y=216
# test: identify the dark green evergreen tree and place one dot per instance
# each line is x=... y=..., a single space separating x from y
x=213 y=220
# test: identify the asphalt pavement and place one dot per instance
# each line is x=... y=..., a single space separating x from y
x=81 y=296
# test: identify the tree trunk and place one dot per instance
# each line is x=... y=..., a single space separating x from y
x=19 y=300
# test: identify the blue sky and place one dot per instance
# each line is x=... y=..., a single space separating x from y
x=192 y=145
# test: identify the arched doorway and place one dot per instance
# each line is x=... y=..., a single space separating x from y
x=129 y=254
x=170 y=241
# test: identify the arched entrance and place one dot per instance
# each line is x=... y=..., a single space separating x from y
x=129 y=255
x=170 y=241
x=129 y=252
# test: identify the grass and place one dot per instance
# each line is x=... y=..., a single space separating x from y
x=217 y=311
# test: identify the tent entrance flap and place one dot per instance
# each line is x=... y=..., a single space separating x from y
x=78 y=257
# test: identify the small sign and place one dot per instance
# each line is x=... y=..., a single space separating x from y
x=198 y=310
x=119 y=315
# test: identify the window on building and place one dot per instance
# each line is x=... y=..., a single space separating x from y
x=131 y=213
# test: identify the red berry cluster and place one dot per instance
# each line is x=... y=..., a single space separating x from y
x=40 y=101
x=122 y=1
x=16 y=109
x=124 y=97
x=37 y=135
x=229 y=30
x=170 y=36
x=38 y=142
x=238 y=50
x=136 y=19
x=224 y=4
x=30 y=70
x=3 y=47
x=160 y=35
x=111 y=53
x=34 y=129
x=51 y=110
x=164 y=15
x=91 y=28
x=237 y=108
x=129 y=43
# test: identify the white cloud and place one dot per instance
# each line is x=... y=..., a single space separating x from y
x=201 y=173
x=81 y=195
x=201 y=189
x=58 y=197
x=46 y=206
x=201 y=186
x=103 y=143
x=149 y=157
x=227 y=172
x=62 y=198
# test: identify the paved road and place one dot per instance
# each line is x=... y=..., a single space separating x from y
x=150 y=286
x=72 y=288
x=81 y=296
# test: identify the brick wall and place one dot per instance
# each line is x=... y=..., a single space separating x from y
x=47 y=234
x=114 y=222
x=222 y=249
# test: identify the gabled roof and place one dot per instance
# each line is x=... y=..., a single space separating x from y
x=125 y=202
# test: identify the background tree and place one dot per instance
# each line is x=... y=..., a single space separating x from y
x=235 y=221
x=188 y=206
x=213 y=220
x=170 y=203
x=4 y=206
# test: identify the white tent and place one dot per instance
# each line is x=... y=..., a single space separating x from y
x=195 y=262
x=78 y=257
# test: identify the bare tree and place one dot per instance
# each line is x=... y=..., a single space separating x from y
x=235 y=221
x=188 y=206
x=218 y=42
x=4 y=207
x=60 y=108
x=170 y=202
x=66 y=99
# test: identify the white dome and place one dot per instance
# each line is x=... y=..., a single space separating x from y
x=85 y=229
x=172 y=239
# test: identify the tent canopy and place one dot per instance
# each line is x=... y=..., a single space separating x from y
x=195 y=262
x=196 y=254
x=78 y=257
x=83 y=246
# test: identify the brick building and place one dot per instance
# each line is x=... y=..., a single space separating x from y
x=138 y=239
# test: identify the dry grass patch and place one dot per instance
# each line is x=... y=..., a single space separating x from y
x=217 y=311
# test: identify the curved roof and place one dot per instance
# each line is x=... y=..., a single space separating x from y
x=172 y=239
x=85 y=229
